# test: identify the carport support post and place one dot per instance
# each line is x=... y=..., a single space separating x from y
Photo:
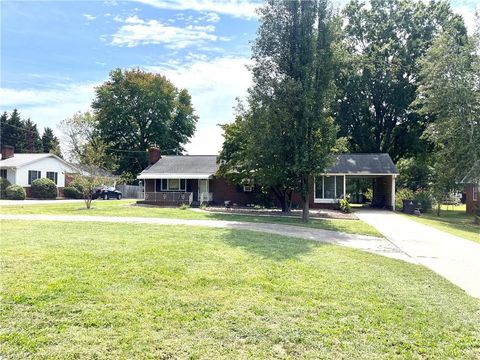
x=392 y=196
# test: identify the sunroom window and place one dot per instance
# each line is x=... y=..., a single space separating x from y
x=329 y=187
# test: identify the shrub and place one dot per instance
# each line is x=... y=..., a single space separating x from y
x=184 y=207
x=345 y=206
x=402 y=194
x=44 y=189
x=15 y=192
x=4 y=183
x=424 y=199
x=71 y=192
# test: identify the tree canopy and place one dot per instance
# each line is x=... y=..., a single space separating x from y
x=134 y=110
x=287 y=127
x=379 y=72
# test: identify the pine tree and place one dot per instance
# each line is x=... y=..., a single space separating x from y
x=50 y=142
x=13 y=131
x=33 y=143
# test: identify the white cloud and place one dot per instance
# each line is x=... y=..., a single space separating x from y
x=136 y=31
x=47 y=107
x=89 y=17
x=236 y=8
x=211 y=17
x=214 y=85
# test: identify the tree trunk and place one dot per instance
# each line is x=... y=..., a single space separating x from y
x=305 y=199
x=284 y=197
x=439 y=205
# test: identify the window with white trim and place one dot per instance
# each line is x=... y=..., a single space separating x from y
x=329 y=187
x=53 y=176
x=33 y=175
x=475 y=193
x=3 y=173
x=170 y=185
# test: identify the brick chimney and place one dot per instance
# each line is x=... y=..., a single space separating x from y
x=154 y=155
x=7 y=151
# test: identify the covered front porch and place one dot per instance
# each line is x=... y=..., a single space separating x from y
x=177 y=191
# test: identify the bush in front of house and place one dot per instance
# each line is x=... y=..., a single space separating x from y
x=72 y=192
x=44 y=189
x=345 y=206
x=15 y=192
x=4 y=183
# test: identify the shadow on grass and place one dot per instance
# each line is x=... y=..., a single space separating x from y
x=269 y=246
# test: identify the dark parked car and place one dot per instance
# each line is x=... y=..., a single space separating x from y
x=106 y=192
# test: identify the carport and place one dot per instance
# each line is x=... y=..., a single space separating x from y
x=341 y=179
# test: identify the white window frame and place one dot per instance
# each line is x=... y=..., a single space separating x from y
x=474 y=192
x=322 y=200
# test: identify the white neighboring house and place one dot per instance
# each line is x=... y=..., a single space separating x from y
x=22 y=169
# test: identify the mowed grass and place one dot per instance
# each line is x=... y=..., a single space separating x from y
x=143 y=291
x=129 y=208
x=452 y=219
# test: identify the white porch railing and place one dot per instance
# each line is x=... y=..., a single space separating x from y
x=170 y=197
x=205 y=197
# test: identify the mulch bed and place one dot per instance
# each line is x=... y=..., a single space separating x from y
x=314 y=213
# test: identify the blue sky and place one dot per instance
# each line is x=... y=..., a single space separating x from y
x=53 y=54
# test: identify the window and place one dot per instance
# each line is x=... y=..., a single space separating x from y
x=247 y=188
x=329 y=187
x=53 y=176
x=3 y=173
x=475 y=193
x=33 y=175
x=170 y=185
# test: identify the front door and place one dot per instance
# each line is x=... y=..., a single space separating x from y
x=202 y=188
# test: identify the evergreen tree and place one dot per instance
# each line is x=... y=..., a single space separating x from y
x=50 y=142
x=33 y=142
x=13 y=131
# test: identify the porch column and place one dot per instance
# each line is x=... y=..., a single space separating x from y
x=344 y=186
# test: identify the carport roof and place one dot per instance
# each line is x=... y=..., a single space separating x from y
x=363 y=164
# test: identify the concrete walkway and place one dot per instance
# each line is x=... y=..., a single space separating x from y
x=362 y=242
x=38 y=202
x=454 y=258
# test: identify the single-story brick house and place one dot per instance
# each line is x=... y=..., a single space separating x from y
x=472 y=197
x=22 y=169
x=173 y=179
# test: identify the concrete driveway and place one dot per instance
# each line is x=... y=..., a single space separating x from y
x=454 y=258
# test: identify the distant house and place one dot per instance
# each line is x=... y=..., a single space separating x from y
x=22 y=169
x=171 y=180
x=472 y=186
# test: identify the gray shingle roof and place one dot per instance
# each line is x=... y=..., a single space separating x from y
x=204 y=166
x=363 y=164
x=200 y=165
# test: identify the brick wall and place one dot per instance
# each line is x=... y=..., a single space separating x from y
x=469 y=198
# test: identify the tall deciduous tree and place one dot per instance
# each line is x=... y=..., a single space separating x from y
x=288 y=126
x=137 y=109
x=450 y=91
x=380 y=74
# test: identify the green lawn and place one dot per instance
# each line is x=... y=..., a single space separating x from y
x=128 y=208
x=454 y=220
x=143 y=291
